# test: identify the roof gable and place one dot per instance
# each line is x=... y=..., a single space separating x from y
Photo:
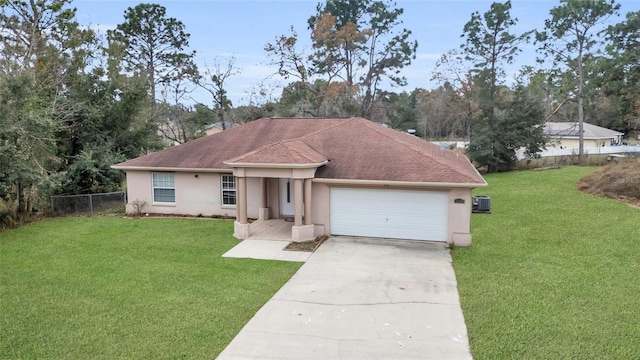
x=294 y=152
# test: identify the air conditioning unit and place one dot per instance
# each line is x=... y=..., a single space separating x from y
x=481 y=204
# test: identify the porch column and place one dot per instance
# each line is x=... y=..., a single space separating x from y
x=241 y=225
x=242 y=200
x=307 y=201
x=297 y=190
x=301 y=232
x=263 y=184
x=263 y=212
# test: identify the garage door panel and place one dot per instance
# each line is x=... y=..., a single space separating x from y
x=418 y=215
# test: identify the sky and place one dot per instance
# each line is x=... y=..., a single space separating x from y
x=221 y=29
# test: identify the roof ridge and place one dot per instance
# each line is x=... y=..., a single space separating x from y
x=291 y=148
x=293 y=151
x=414 y=149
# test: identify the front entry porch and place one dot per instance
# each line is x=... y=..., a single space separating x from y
x=279 y=192
x=272 y=229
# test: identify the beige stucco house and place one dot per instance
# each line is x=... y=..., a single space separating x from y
x=346 y=176
x=566 y=135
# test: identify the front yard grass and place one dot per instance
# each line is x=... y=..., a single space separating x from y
x=553 y=273
x=112 y=288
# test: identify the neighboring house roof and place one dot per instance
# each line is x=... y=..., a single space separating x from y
x=570 y=130
x=345 y=148
x=219 y=125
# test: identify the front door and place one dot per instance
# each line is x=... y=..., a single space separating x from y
x=287 y=204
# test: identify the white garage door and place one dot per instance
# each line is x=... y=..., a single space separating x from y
x=400 y=214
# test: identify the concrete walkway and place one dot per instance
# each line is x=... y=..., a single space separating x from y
x=359 y=298
x=266 y=250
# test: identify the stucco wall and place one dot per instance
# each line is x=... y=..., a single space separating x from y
x=575 y=143
x=320 y=208
x=199 y=195
x=459 y=214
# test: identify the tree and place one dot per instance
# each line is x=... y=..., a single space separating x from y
x=319 y=97
x=102 y=127
x=398 y=111
x=569 y=37
x=301 y=96
x=42 y=50
x=456 y=79
x=213 y=82
x=291 y=61
x=154 y=45
x=490 y=45
x=35 y=32
x=357 y=41
x=621 y=69
x=517 y=126
x=26 y=144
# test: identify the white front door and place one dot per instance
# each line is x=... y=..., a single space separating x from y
x=287 y=204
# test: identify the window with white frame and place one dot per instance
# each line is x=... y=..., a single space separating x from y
x=228 y=190
x=164 y=188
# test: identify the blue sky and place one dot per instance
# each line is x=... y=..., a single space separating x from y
x=241 y=28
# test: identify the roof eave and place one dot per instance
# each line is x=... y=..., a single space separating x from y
x=168 y=169
x=275 y=165
x=400 y=183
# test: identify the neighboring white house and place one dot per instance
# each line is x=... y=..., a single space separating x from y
x=565 y=135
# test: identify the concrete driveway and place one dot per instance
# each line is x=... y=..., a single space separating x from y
x=358 y=298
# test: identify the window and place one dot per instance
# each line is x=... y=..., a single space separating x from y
x=228 y=190
x=164 y=189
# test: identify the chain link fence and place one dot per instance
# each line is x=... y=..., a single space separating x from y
x=88 y=203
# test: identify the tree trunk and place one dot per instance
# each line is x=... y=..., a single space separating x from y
x=581 y=159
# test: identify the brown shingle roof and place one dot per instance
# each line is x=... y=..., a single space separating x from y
x=282 y=152
x=355 y=148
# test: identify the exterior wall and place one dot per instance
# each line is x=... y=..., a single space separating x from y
x=459 y=213
x=254 y=197
x=273 y=197
x=212 y=130
x=199 y=195
x=575 y=143
x=321 y=207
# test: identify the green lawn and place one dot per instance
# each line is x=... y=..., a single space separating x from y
x=112 y=288
x=553 y=273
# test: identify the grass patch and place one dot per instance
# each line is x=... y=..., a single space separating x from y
x=552 y=273
x=106 y=287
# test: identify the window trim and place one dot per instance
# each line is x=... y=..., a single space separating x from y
x=223 y=189
x=153 y=189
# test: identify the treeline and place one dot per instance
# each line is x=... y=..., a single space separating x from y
x=73 y=101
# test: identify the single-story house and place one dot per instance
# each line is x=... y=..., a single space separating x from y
x=341 y=176
x=566 y=135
